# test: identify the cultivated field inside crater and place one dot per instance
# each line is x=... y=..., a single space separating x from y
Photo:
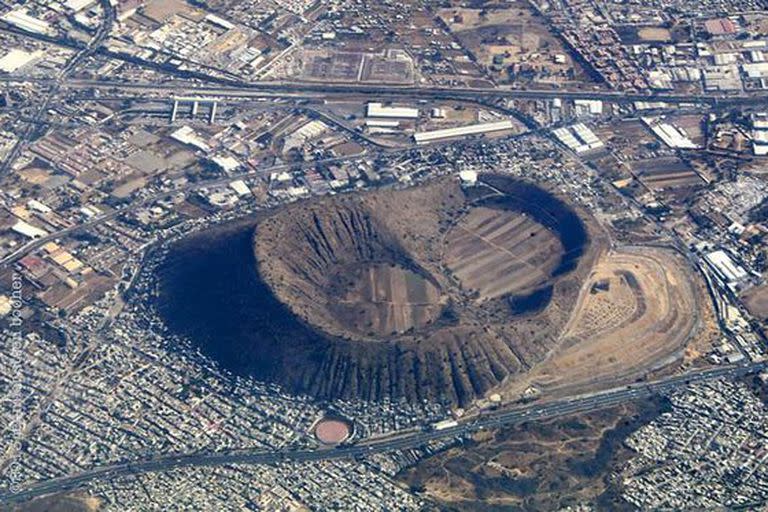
x=495 y=253
x=382 y=299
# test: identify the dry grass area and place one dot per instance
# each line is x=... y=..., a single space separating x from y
x=535 y=466
x=61 y=503
x=756 y=300
x=514 y=33
x=499 y=253
x=635 y=314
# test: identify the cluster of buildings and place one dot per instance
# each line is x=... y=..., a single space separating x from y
x=723 y=244
x=137 y=399
x=592 y=36
x=289 y=487
x=706 y=453
x=667 y=45
x=83 y=201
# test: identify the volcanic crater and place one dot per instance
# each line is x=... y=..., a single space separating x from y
x=431 y=292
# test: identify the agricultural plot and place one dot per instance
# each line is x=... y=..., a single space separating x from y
x=385 y=299
x=663 y=173
x=495 y=253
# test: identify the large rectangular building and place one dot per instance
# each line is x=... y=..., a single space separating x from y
x=378 y=110
x=725 y=267
x=21 y=19
x=671 y=135
x=578 y=137
x=461 y=131
x=17 y=59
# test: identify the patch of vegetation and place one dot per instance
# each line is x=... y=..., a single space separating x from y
x=537 y=465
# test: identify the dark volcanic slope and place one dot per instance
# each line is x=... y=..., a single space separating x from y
x=349 y=297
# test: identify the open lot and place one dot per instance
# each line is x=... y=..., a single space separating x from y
x=76 y=502
x=634 y=315
x=756 y=300
x=662 y=173
x=389 y=67
x=512 y=34
x=537 y=466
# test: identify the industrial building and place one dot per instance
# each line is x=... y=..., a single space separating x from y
x=672 y=136
x=378 y=110
x=17 y=59
x=21 y=19
x=579 y=138
x=760 y=134
x=28 y=230
x=724 y=266
x=381 y=123
x=592 y=107
x=187 y=135
x=473 y=129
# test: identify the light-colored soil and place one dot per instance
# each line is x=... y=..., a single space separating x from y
x=635 y=314
x=77 y=502
x=654 y=34
x=756 y=301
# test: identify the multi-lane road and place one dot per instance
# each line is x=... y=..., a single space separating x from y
x=344 y=90
x=328 y=89
x=402 y=441
x=56 y=83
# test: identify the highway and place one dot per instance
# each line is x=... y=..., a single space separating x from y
x=329 y=89
x=56 y=84
x=489 y=419
x=232 y=87
x=344 y=90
